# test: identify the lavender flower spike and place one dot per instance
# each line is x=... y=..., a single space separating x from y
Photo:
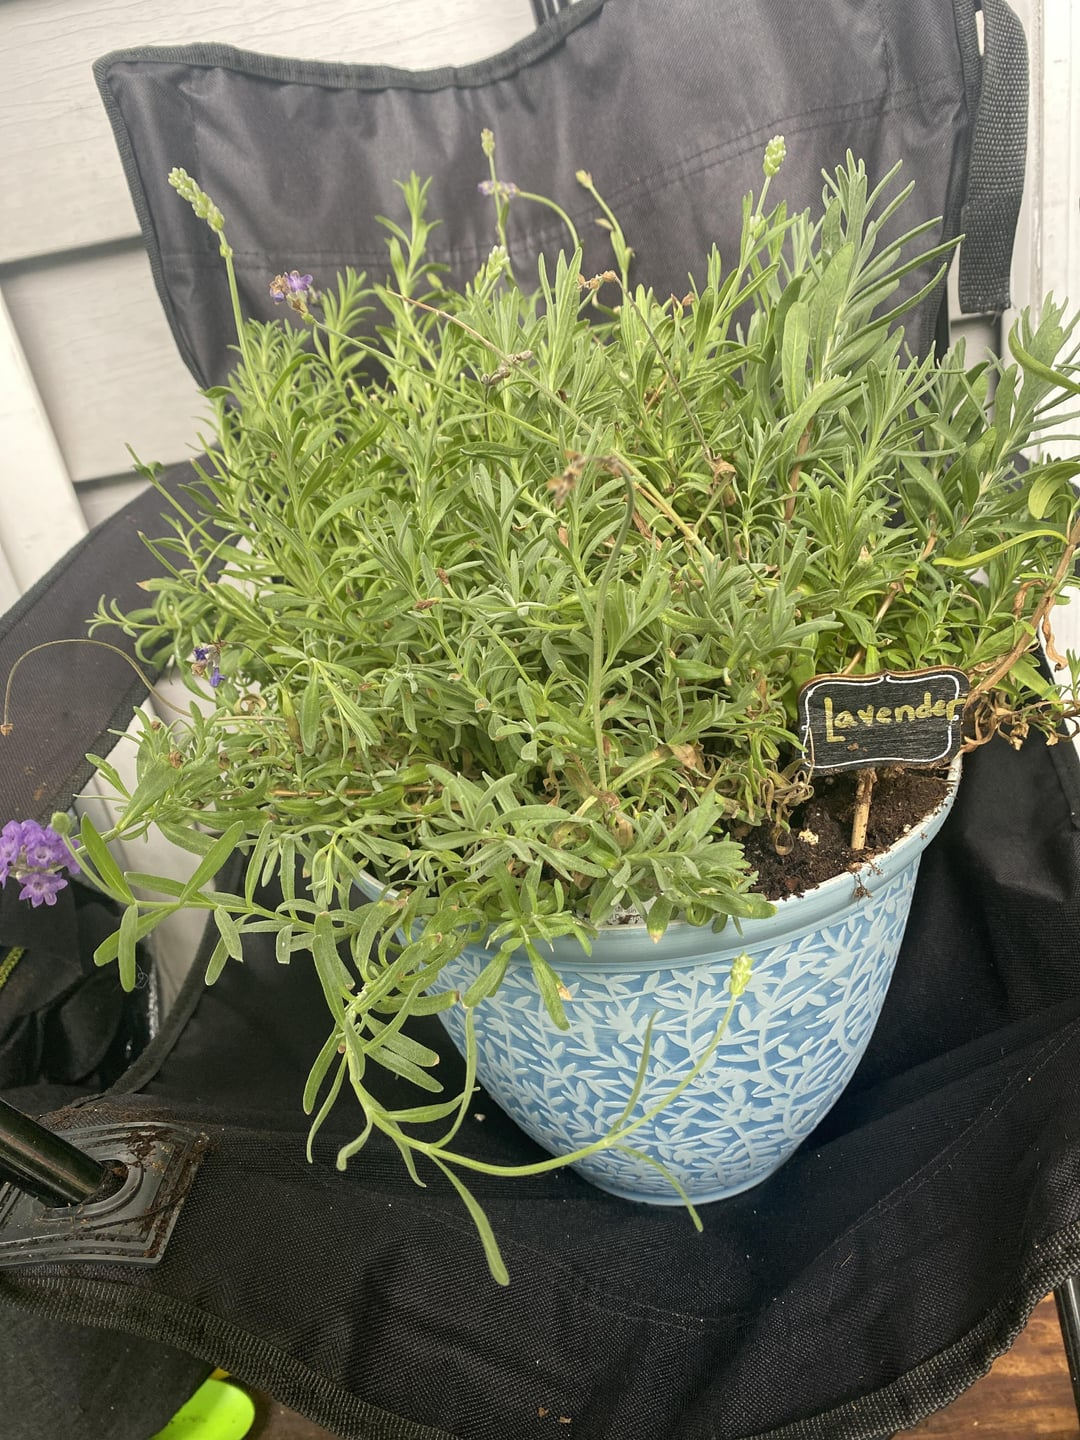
x=41 y=887
x=296 y=290
x=35 y=856
x=501 y=189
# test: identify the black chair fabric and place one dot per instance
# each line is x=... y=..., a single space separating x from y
x=669 y=103
x=862 y=1286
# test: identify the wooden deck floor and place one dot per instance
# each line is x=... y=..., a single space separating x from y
x=1026 y=1396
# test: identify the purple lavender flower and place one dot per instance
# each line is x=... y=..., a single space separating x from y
x=11 y=842
x=44 y=847
x=35 y=856
x=501 y=189
x=41 y=887
x=296 y=289
x=208 y=655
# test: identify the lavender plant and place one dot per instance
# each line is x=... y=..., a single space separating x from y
x=510 y=605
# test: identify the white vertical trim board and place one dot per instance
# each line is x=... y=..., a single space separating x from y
x=1046 y=259
x=40 y=518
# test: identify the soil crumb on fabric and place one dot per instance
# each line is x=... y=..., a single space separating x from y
x=821 y=829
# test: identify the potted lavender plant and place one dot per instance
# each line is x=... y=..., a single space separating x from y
x=540 y=617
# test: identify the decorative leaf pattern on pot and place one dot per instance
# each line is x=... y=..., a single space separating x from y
x=796 y=1036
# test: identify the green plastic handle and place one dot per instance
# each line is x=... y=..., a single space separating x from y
x=217 y=1411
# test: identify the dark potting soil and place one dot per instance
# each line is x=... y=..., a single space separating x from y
x=820 y=835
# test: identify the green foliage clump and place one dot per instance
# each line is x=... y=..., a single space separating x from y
x=513 y=591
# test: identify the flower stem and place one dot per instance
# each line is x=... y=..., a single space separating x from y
x=597 y=676
x=6 y=726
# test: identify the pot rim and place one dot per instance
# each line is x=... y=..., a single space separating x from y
x=629 y=945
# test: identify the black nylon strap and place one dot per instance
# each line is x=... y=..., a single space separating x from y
x=996 y=169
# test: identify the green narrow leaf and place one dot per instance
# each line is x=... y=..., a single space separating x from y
x=422 y=1114
x=639 y=1080
x=972 y=562
x=1025 y=672
x=327 y=1105
x=185 y=837
x=129 y=925
x=675 y=1184
x=292 y=725
x=310 y=716
x=283 y=945
x=334 y=978
x=795 y=348
x=320 y=1066
x=106 y=868
x=161 y=883
x=820 y=395
x=1048 y=483
x=218 y=960
x=398 y=1065
x=109 y=773
x=345 y=1154
x=826 y=303
x=548 y=983
x=230 y=934
x=108 y=950
x=373 y=918
x=659 y=917
x=256 y=861
x=487 y=982
x=214 y=859
x=387 y=1038
x=492 y=1254
x=160 y=777
x=1043 y=372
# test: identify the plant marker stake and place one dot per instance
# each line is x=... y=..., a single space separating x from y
x=864 y=789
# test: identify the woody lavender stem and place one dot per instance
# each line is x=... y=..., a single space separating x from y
x=864 y=790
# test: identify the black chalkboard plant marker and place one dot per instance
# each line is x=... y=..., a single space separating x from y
x=859 y=722
x=521 y=605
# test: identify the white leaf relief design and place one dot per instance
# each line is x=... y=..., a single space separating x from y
x=795 y=1038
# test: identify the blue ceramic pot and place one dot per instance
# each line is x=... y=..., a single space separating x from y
x=821 y=967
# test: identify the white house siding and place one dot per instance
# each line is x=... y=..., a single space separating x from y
x=87 y=364
x=1047 y=255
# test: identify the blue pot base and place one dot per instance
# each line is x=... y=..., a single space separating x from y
x=673 y=1200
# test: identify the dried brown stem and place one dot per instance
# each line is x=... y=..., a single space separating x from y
x=1038 y=620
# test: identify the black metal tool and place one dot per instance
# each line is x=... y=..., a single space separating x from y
x=114 y=1196
x=1067 y=1298
x=43 y=1163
